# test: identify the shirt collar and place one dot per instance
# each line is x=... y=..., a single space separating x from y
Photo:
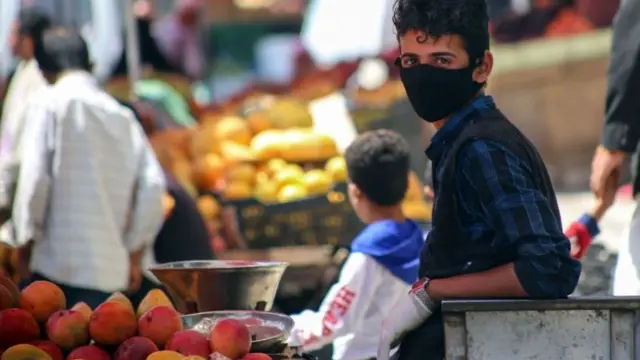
x=450 y=130
x=77 y=76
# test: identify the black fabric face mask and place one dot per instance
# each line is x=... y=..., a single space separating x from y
x=436 y=93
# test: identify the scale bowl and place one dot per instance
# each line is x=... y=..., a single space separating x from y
x=269 y=342
x=214 y=285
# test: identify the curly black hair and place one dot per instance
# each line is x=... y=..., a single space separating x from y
x=467 y=18
x=378 y=164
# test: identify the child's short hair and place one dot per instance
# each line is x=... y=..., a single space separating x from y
x=378 y=164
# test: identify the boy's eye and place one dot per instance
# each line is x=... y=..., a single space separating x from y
x=408 y=62
x=442 y=61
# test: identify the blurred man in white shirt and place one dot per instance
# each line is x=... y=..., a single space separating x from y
x=89 y=198
x=26 y=30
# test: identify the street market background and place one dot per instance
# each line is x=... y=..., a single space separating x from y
x=550 y=78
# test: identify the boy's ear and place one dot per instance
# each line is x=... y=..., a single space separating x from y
x=354 y=191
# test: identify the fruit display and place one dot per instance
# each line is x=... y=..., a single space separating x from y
x=414 y=206
x=35 y=325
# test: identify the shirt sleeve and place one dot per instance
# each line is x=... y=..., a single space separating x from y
x=622 y=127
x=37 y=144
x=505 y=192
x=341 y=312
x=147 y=214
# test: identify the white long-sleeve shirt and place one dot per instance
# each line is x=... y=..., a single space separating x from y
x=26 y=81
x=90 y=188
x=352 y=312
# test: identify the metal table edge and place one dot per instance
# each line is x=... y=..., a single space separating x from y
x=585 y=303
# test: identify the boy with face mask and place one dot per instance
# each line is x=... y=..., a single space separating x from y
x=496 y=224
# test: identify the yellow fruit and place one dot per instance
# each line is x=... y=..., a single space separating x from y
x=258 y=122
x=275 y=165
x=234 y=129
x=235 y=152
x=337 y=168
x=241 y=172
x=287 y=113
x=203 y=140
x=26 y=352
x=415 y=188
x=208 y=206
x=207 y=170
x=290 y=174
x=417 y=210
x=165 y=355
x=292 y=192
x=262 y=177
x=267 y=144
x=317 y=182
x=266 y=192
x=237 y=190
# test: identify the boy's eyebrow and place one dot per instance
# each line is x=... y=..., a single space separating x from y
x=442 y=53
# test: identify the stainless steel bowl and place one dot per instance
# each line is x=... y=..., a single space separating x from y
x=197 y=286
x=203 y=322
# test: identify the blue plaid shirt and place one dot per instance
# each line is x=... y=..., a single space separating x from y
x=514 y=210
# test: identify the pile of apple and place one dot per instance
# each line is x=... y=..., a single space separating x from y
x=34 y=325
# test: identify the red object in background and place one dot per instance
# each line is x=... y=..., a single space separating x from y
x=599 y=12
x=567 y=22
x=579 y=234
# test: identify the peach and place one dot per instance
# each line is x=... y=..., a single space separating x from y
x=68 y=329
x=50 y=348
x=135 y=348
x=155 y=297
x=112 y=323
x=159 y=323
x=165 y=355
x=13 y=289
x=120 y=298
x=41 y=299
x=89 y=352
x=83 y=309
x=189 y=342
x=256 y=356
x=230 y=338
x=194 y=357
x=17 y=326
x=25 y=351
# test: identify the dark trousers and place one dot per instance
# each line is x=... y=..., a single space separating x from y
x=426 y=342
x=74 y=295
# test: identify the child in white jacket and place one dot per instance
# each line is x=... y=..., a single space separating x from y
x=384 y=257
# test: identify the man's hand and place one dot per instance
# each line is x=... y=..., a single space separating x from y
x=604 y=163
x=135 y=271
x=23 y=255
x=407 y=314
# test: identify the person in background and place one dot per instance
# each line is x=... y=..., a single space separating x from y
x=384 y=257
x=582 y=231
x=151 y=56
x=184 y=235
x=496 y=222
x=621 y=136
x=89 y=198
x=26 y=31
x=178 y=38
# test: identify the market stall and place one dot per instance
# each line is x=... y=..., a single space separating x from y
x=218 y=310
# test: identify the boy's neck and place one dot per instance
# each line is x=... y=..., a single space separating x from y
x=390 y=213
